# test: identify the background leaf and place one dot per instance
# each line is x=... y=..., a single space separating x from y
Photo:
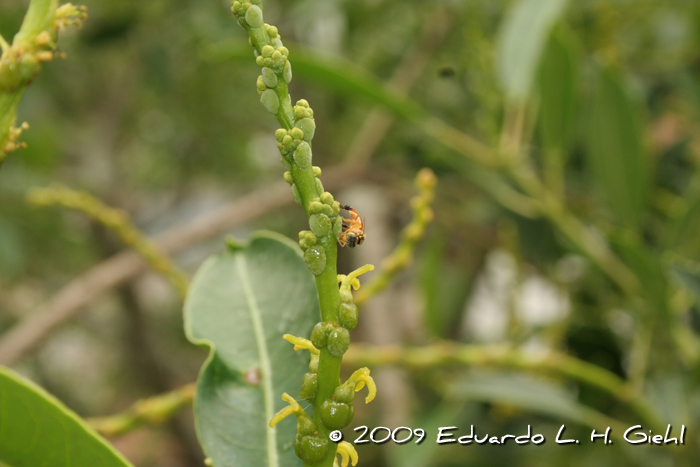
x=618 y=162
x=521 y=41
x=240 y=304
x=37 y=430
x=558 y=84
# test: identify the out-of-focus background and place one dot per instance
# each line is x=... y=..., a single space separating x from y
x=155 y=111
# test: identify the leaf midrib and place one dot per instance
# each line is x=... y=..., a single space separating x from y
x=265 y=364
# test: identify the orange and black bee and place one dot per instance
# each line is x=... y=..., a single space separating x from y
x=353 y=229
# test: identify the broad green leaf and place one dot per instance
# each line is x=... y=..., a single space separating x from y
x=618 y=161
x=526 y=393
x=558 y=84
x=37 y=430
x=239 y=305
x=521 y=41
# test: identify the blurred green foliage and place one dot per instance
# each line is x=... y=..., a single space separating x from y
x=144 y=116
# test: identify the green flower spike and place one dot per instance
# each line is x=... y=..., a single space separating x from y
x=292 y=408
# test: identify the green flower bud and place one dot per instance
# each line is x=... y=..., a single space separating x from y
x=309 y=386
x=316 y=207
x=259 y=60
x=326 y=209
x=287 y=140
x=276 y=42
x=315 y=259
x=313 y=365
x=320 y=225
x=271 y=102
x=337 y=227
x=338 y=341
x=319 y=334
x=288 y=178
x=277 y=56
x=308 y=126
x=348 y=315
x=305 y=426
x=303 y=103
x=327 y=198
x=302 y=156
x=272 y=31
x=346 y=295
x=307 y=239
x=287 y=72
x=297 y=133
x=280 y=134
x=295 y=194
x=336 y=415
x=260 y=84
x=312 y=449
x=284 y=51
x=269 y=77
x=317 y=171
x=267 y=51
x=345 y=393
x=254 y=16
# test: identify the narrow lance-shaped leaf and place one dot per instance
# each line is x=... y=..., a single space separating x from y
x=521 y=42
x=617 y=158
x=240 y=305
x=37 y=430
x=558 y=84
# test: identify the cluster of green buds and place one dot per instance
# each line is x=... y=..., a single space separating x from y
x=310 y=445
x=321 y=386
x=21 y=61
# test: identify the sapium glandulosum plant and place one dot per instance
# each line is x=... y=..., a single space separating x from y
x=332 y=401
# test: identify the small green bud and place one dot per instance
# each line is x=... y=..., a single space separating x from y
x=313 y=365
x=261 y=85
x=303 y=103
x=338 y=341
x=288 y=178
x=296 y=195
x=287 y=140
x=319 y=334
x=309 y=386
x=305 y=426
x=287 y=72
x=297 y=133
x=307 y=239
x=308 y=126
x=327 y=198
x=316 y=207
x=236 y=6
x=348 y=316
x=267 y=51
x=346 y=296
x=269 y=77
x=313 y=449
x=276 y=42
x=302 y=156
x=284 y=51
x=277 y=56
x=326 y=209
x=271 y=102
x=254 y=16
x=315 y=259
x=320 y=225
x=317 y=171
x=280 y=134
x=336 y=415
x=337 y=227
x=319 y=186
x=259 y=60
x=345 y=393
x=272 y=31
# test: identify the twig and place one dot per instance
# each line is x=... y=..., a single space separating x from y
x=402 y=255
x=152 y=411
x=450 y=353
x=117 y=221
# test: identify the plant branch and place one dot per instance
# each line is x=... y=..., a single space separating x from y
x=450 y=353
x=155 y=410
x=117 y=221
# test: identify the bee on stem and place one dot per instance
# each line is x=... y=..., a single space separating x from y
x=353 y=233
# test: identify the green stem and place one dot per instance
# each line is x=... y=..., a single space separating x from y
x=39 y=18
